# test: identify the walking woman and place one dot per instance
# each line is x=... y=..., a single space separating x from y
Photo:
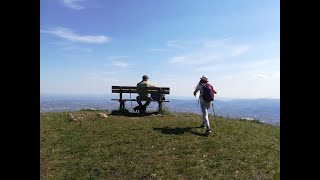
x=206 y=96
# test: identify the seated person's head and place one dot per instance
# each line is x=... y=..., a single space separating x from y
x=145 y=78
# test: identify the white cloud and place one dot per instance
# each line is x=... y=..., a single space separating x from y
x=238 y=50
x=69 y=46
x=172 y=46
x=119 y=63
x=253 y=74
x=272 y=63
x=192 y=59
x=270 y=75
x=263 y=76
x=73 y=4
x=71 y=36
x=202 y=52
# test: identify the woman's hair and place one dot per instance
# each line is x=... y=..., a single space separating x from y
x=201 y=82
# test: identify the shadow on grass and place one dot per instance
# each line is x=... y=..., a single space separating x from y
x=132 y=114
x=199 y=134
x=178 y=130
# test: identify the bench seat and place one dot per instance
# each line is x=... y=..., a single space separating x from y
x=139 y=100
x=134 y=90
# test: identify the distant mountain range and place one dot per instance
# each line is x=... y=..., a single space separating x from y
x=266 y=110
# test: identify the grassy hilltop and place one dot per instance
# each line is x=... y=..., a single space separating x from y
x=87 y=145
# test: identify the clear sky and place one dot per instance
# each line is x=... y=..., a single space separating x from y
x=86 y=46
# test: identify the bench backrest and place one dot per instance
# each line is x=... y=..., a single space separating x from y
x=134 y=89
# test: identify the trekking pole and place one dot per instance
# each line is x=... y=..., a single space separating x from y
x=214 y=115
x=131 y=102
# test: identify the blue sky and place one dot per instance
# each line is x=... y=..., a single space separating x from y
x=86 y=46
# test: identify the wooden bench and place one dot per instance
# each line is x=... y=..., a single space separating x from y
x=134 y=90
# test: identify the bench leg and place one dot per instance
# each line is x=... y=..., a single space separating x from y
x=160 y=106
x=122 y=105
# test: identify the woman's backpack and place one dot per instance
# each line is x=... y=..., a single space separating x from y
x=208 y=92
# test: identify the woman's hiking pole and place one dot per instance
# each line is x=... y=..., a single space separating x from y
x=214 y=115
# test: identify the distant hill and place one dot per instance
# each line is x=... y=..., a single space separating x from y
x=99 y=145
x=267 y=110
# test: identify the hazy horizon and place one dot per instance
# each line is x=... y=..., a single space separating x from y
x=115 y=95
x=267 y=110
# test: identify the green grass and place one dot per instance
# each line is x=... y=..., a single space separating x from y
x=155 y=146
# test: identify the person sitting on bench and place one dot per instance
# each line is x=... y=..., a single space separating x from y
x=143 y=95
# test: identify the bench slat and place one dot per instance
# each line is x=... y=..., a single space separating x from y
x=124 y=91
x=124 y=87
x=136 y=100
x=133 y=89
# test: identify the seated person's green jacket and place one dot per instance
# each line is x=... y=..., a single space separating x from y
x=143 y=94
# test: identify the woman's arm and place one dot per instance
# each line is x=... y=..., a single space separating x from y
x=195 y=92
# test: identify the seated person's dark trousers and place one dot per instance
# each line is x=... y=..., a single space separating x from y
x=145 y=104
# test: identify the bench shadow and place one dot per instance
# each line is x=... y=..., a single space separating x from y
x=178 y=131
x=132 y=114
